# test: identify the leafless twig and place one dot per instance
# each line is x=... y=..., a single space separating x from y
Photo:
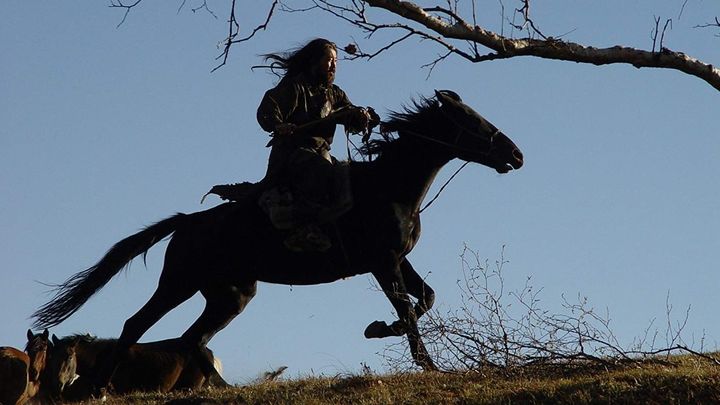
x=507 y=329
x=203 y=6
x=714 y=24
x=656 y=31
x=127 y=7
x=234 y=30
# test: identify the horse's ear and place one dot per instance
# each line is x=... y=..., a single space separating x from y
x=445 y=96
x=46 y=334
x=55 y=339
x=30 y=334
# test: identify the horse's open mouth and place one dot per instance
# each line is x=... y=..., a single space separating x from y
x=506 y=167
x=514 y=165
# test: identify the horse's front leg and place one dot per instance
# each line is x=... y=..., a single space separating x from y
x=418 y=288
x=390 y=277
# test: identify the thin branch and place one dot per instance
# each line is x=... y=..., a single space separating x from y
x=677 y=348
x=528 y=22
x=491 y=330
x=550 y=48
x=234 y=29
x=127 y=7
x=656 y=31
x=714 y=24
x=682 y=9
x=204 y=6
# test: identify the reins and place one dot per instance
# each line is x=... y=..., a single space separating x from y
x=453 y=145
x=443 y=188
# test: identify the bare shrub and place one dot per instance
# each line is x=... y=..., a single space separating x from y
x=502 y=328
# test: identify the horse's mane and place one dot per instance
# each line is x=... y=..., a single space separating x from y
x=417 y=117
x=86 y=338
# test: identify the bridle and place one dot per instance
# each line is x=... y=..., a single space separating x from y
x=462 y=131
x=455 y=145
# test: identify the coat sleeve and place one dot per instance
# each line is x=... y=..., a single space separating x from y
x=340 y=100
x=276 y=106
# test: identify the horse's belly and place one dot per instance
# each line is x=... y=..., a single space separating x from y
x=304 y=269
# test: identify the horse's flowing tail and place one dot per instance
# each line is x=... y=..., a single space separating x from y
x=75 y=291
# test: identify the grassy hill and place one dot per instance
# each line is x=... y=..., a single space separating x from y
x=678 y=380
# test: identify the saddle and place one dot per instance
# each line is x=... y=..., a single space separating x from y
x=303 y=223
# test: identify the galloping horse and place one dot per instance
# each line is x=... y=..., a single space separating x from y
x=20 y=371
x=224 y=251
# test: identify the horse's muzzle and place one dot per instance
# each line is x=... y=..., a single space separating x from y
x=518 y=157
x=516 y=162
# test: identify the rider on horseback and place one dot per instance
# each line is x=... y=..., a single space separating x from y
x=301 y=113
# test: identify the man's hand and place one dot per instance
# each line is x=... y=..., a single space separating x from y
x=284 y=129
x=374 y=118
x=357 y=120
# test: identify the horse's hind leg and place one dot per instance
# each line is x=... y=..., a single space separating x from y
x=167 y=296
x=223 y=303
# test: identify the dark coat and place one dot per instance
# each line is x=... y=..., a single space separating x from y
x=297 y=101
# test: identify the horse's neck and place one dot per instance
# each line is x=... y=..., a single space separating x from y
x=403 y=178
x=87 y=352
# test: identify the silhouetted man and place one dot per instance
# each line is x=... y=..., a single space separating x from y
x=301 y=112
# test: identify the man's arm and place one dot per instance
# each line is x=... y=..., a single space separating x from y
x=276 y=106
x=358 y=119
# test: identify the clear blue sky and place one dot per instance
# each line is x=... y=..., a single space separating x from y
x=104 y=130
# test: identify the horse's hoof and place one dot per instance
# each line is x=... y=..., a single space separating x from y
x=377 y=329
x=100 y=395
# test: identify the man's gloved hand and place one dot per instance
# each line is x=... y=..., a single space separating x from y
x=374 y=118
x=357 y=120
x=284 y=129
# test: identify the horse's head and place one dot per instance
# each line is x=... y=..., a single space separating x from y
x=473 y=138
x=36 y=348
x=60 y=370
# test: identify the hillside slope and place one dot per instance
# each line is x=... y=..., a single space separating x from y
x=679 y=380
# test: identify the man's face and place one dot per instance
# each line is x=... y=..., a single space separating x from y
x=325 y=69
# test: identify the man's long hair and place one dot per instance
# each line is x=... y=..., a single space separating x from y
x=298 y=60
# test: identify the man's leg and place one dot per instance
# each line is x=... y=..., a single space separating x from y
x=311 y=177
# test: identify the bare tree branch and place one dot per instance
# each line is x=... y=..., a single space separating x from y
x=550 y=48
x=234 y=30
x=444 y=26
x=203 y=6
x=714 y=24
x=127 y=7
x=656 y=32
